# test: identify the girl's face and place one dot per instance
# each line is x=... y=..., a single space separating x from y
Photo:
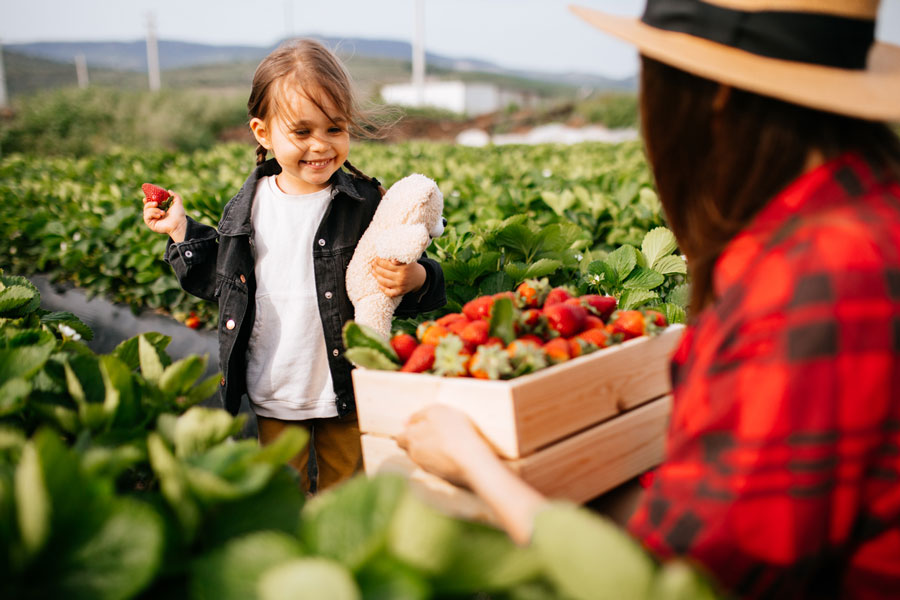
x=308 y=145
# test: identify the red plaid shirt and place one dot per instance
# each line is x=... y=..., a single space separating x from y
x=782 y=472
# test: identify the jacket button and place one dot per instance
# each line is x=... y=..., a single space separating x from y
x=188 y=254
x=321 y=242
x=243 y=279
x=328 y=295
x=229 y=324
x=335 y=352
x=222 y=382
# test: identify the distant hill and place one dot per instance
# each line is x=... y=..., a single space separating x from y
x=184 y=56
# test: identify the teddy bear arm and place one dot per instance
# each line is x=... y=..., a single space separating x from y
x=404 y=243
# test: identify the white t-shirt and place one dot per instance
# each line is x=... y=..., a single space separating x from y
x=287 y=362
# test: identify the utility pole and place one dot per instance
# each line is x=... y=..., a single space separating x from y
x=152 y=53
x=418 y=57
x=4 y=101
x=81 y=71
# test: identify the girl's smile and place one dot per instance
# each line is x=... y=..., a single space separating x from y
x=309 y=144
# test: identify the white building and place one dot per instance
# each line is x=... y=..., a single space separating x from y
x=467 y=98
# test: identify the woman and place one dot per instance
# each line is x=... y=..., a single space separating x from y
x=763 y=123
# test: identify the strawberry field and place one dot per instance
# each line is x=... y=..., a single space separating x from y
x=115 y=484
x=514 y=213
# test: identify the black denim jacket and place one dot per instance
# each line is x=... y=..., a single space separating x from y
x=219 y=266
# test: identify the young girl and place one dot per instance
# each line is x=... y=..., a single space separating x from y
x=276 y=263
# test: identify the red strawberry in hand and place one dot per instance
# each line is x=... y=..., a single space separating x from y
x=161 y=196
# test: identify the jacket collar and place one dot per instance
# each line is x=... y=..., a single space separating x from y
x=236 y=218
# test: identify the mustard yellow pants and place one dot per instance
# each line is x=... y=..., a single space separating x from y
x=337 y=450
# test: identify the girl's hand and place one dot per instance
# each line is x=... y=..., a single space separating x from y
x=443 y=441
x=172 y=222
x=396 y=278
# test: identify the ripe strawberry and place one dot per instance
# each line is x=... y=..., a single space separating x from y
x=451 y=318
x=596 y=336
x=494 y=341
x=193 y=321
x=476 y=333
x=577 y=347
x=451 y=359
x=422 y=328
x=557 y=350
x=404 y=344
x=556 y=296
x=602 y=306
x=656 y=317
x=421 y=359
x=154 y=193
x=566 y=319
x=434 y=334
x=592 y=322
x=629 y=323
x=531 y=292
x=490 y=362
x=479 y=308
x=456 y=327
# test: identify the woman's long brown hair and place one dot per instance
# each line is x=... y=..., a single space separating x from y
x=719 y=158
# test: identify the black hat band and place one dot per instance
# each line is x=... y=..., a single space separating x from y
x=829 y=40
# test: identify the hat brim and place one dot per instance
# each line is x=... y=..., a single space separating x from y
x=872 y=94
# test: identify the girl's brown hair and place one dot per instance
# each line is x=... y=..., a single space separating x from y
x=312 y=67
x=716 y=166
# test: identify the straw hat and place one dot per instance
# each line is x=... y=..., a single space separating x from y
x=817 y=53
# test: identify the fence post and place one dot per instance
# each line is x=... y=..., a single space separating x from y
x=4 y=99
x=152 y=54
x=81 y=71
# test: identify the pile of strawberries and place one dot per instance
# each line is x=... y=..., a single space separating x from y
x=509 y=334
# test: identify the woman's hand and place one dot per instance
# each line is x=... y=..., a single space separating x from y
x=397 y=278
x=442 y=440
x=172 y=222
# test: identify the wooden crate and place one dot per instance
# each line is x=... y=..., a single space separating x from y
x=578 y=468
x=522 y=415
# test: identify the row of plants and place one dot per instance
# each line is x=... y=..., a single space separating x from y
x=115 y=484
x=525 y=212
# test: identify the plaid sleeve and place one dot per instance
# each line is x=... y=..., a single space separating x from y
x=782 y=473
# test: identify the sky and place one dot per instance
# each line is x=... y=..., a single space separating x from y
x=526 y=34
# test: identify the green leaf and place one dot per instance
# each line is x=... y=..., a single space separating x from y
x=569 y=541
x=151 y=365
x=120 y=403
x=643 y=279
x=670 y=265
x=308 y=579
x=32 y=500
x=678 y=580
x=119 y=559
x=631 y=299
x=327 y=531
x=173 y=485
x=201 y=428
x=58 y=318
x=232 y=571
x=622 y=260
x=673 y=313
x=13 y=394
x=369 y=358
x=560 y=203
x=496 y=283
x=541 y=268
x=178 y=377
x=658 y=243
x=680 y=295
x=204 y=390
x=386 y=578
x=23 y=362
x=608 y=277
x=357 y=335
x=128 y=351
x=18 y=308
x=503 y=320
x=422 y=537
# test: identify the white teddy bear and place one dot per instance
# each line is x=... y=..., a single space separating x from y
x=407 y=218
